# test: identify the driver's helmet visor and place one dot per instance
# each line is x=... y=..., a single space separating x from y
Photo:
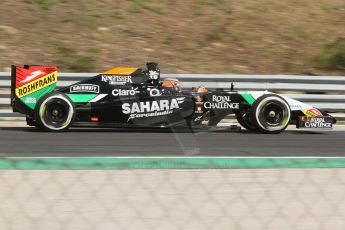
x=173 y=84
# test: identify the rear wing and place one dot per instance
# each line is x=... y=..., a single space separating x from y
x=29 y=84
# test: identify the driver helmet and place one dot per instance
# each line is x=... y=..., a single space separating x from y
x=201 y=89
x=172 y=83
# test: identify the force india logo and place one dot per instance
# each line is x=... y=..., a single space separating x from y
x=117 y=79
x=36 y=85
x=221 y=102
x=151 y=108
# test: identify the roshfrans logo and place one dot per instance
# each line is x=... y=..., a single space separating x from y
x=32 y=76
x=117 y=79
x=220 y=102
x=84 y=88
x=151 y=108
x=36 y=85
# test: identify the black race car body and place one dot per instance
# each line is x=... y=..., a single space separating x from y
x=126 y=97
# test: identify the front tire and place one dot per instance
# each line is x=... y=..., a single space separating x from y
x=54 y=113
x=271 y=114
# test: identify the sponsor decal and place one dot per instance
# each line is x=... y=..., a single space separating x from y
x=36 y=85
x=151 y=108
x=84 y=88
x=125 y=92
x=154 y=92
x=316 y=122
x=312 y=112
x=32 y=76
x=30 y=100
x=221 y=102
x=293 y=106
x=117 y=79
x=153 y=74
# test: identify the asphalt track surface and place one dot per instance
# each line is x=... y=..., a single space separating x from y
x=30 y=142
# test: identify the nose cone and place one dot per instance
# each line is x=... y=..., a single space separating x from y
x=334 y=120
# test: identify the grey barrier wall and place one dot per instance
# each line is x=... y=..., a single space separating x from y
x=324 y=92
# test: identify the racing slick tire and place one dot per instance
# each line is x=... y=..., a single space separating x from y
x=271 y=114
x=54 y=113
x=244 y=120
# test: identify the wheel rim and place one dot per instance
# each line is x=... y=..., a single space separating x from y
x=56 y=112
x=273 y=114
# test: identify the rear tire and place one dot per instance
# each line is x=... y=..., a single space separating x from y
x=54 y=113
x=271 y=114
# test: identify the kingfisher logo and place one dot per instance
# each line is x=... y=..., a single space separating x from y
x=32 y=76
x=117 y=79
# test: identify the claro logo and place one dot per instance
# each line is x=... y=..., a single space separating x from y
x=125 y=92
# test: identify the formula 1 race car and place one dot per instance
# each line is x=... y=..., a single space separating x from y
x=127 y=97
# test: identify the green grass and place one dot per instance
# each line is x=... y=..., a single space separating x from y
x=210 y=2
x=69 y=58
x=70 y=17
x=154 y=8
x=332 y=56
x=136 y=6
x=263 y=33
x=44 y=4
x=117 y=15
x=301 y=32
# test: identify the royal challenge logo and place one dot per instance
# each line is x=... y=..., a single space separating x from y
x=221 y=102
